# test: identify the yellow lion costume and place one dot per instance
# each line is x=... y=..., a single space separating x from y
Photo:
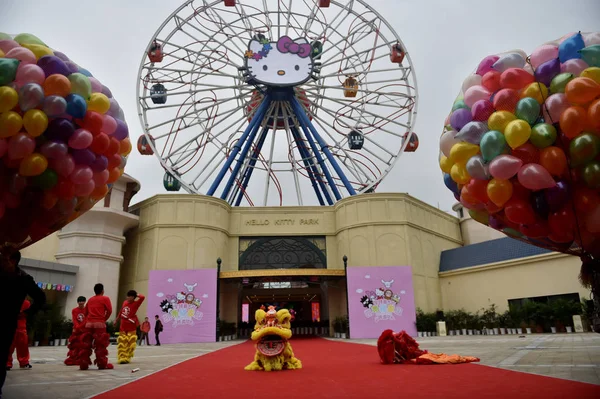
x=126 y=344
x=271 y=334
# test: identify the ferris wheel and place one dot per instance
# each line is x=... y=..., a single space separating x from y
x=276 y=102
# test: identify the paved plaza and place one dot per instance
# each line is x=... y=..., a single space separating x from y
x=569 y=356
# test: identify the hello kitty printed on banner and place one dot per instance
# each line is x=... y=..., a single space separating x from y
x=286 y=62
x=383 y=303
x=182 y=308
x=380 y=297
x=185 y=301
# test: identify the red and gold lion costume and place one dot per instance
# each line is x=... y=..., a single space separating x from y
x=271 y=334
x=402 y=348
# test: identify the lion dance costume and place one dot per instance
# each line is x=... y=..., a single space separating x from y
x=127 y=341
x=74 y=345
x=271 y=334
x=94 y=336
x=20 y=341
x=402 y=348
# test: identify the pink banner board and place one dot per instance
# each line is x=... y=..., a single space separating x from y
x=381 y=298
x=185 y=301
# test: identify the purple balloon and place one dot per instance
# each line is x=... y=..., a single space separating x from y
x=54 y=149
x=114 y=108
x=51 y=65
x=557 y=196
x=59 y=130
x=106 y=91
x=83 y=157
x=460 y=118
x=547 y=71
x=457 y=196
x=62 y=56
x=122 y=130
x=495 y=223
x=99 y=164
x=73 y=68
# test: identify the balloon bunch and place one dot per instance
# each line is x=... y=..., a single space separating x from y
x=63 y=140
x=521 y=146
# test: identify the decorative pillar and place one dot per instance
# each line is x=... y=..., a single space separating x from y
x=94 y=242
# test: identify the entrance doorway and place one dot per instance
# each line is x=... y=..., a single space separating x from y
x=304 y=296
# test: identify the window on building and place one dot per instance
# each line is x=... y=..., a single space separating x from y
x=518 y=303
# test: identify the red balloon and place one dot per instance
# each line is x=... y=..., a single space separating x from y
x=519 y=212
x=520 y=192
x=528 y=153
x=506 y=100
x=491 y=81
x=65 y=189
x=585 y=199
x=516 y=78
x=563 y=223
x=113 y=147
x=114 y=161
x=92 y=121
x=100 y=143
x=478 y=189
x=492 y=208
x=535 y=230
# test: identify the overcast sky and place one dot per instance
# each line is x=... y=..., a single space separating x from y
x=446 y=40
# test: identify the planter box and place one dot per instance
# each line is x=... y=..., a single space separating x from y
x=469 y=332
x=464 y=331
x=528 y=330
x=36 y=343
x=343 y=335
x=63 y=342
x=336 y=335
x=553 y=330
x=495 y=330
x=502 y=331
x=569 y=329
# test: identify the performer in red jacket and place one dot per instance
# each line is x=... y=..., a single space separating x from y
x=20 y=341
x=97 y=312
x=74 y=345
x=129 y=322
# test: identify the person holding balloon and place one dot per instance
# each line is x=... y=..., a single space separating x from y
x=521 y=147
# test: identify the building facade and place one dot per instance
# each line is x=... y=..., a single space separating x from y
x=296 y=254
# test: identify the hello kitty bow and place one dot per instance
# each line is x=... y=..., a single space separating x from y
x=286 y=45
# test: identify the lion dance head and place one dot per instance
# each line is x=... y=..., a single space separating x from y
x=272 y=333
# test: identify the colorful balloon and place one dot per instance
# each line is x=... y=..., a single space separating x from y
x=535 y=177
x=517 y=133
x=56 y=157
x=504 y=167
x=492 y=144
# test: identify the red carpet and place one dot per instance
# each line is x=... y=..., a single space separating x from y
x=340 y=370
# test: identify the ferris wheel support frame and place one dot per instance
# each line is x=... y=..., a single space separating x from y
x=256 y=120
x=311 y=168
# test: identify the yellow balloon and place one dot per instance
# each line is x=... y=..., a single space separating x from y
x=592 y=73
x=1 y=54
x=9 y=98
x=33 y=165
x=535 y=90
x=499 y=119
x=499 y=191
x=99 y=103
x=461 y=152
x=38 y=50
x=445 y=164
x=35 y=122
x=10 y=124
x=459 y=174
x=517 y=133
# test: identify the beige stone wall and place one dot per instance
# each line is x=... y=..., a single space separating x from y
x=44 y=249
x=480 y=286
x=192 y=231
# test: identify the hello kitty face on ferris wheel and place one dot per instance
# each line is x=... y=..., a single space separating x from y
x=286 y=62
